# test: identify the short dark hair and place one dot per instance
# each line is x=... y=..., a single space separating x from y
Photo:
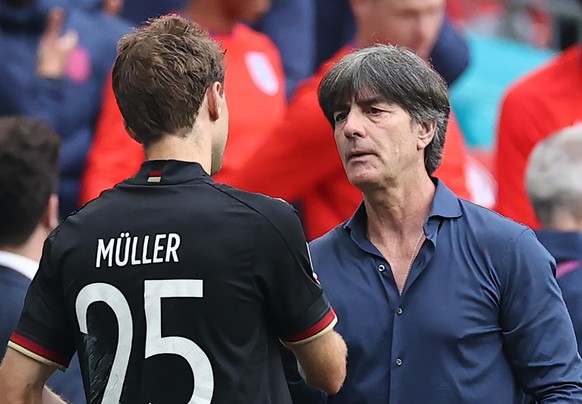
x=29 y=154
x=161 y=75
x=397 y=75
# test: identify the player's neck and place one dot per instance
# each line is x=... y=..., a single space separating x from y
x=183 y=149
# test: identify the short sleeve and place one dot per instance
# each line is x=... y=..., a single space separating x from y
x=296 y=305
x=43 y=332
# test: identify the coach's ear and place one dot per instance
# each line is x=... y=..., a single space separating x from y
x=425 y=135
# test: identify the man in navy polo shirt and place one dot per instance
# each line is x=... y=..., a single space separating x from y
x=441 y=301
x=554 y=186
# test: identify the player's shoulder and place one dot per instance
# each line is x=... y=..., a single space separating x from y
x=275 y=211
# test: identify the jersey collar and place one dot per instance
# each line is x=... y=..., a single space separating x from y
x=167 y=172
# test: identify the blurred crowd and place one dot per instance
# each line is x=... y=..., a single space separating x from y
x=57 y=56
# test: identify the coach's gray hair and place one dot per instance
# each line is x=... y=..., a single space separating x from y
x=554 y=175
x=398 y=76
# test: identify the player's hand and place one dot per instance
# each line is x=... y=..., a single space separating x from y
x=54 y=49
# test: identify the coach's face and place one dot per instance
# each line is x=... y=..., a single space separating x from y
x=379 y=144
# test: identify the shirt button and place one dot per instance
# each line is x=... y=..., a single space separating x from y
x=399 y=311
x=381 y=268
x=398 y=362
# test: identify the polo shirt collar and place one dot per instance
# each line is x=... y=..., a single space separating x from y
x=445 y=203
x=564 y=246
x=167 y=172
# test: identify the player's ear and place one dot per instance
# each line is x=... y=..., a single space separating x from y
x=215 y=100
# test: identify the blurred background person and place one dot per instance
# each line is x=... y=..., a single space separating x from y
x=29 y=152
x=255 y=83
x=537 y=105
x=336 y=28
x=55 y=57
x=289 y=23
x=298 y=161
x=554 y=187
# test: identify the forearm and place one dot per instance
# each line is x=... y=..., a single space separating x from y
x=13 y=393
x=324 y=365
x=22 y=380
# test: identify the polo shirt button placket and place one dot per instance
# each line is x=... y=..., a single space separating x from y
x=399 y=311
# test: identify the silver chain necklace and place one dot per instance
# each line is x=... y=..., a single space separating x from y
x=414 y=252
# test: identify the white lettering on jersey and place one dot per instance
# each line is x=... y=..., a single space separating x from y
x=127 y=250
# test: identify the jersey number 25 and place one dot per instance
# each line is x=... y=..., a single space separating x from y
x=155 y=344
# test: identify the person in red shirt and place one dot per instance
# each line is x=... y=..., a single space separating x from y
x=256 y=94
x=541 y=103
x=298 y=160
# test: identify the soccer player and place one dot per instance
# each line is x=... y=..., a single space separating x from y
x=171 y=287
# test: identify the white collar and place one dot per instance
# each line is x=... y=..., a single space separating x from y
x=19 y=263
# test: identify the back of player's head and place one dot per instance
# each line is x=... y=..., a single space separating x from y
x=161 y=75
x=29 y=153
x=394 y=75
x=553 y=176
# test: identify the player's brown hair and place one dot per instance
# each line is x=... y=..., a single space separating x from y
x=161 y=75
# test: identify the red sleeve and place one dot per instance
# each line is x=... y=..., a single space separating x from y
x=113 y=156
x=516 y=136
x=294 y=157
x=452 y=169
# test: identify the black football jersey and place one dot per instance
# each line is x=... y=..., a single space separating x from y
x=175 y=289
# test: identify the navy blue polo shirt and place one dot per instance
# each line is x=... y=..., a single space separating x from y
x=566 y=248
x=481 y=318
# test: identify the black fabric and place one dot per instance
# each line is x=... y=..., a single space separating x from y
x=245 y=251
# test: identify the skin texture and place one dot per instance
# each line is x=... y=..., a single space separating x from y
x=22 y=380
x=379 y=144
